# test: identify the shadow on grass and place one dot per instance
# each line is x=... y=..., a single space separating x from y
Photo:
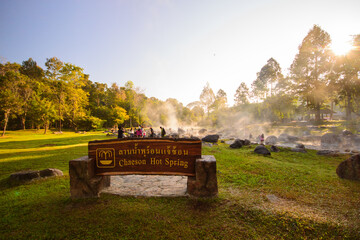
x=38 y=143
x=52 y=158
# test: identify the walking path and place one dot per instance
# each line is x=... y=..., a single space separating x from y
x=147 y=185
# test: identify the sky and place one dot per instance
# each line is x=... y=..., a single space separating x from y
x=170 y=48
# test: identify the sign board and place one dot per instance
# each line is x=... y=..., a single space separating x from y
x=145 y=156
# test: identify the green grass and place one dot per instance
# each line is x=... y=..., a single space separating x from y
x=313 y=203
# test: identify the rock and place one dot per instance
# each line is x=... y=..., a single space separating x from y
x=347 y=133
x=356 y=140
x=330 y=139
x=274 y=148
x=24 y=176
x=271 y=140
x=272 y=198
x=207 y=144
x=202 y=131
x=236 y=144
x=211 y=138
x=306 y=133
x=300 y=145
x=301 y=150
x=51 y=172
x=350 y=168
x=181 y=131
x=246 y=142
x=326 y=152
x=262 y=150
x=287 y=138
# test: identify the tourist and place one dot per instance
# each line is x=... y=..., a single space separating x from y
x=151 y=132
x=163 y=132
x=121 y=132
x=262 y=139
x=138 y=132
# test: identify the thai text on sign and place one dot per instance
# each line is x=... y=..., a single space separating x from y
x=145 y=156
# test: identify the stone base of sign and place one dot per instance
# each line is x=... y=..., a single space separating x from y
x=85 y=184
x=204 y=184
x=83 y=181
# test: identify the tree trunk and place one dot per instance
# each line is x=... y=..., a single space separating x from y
x=45 y=127
x=60 y=118
x=23 y=120
x=6 y=119
x=317 y=112
x=348 y=107
x=332 y=109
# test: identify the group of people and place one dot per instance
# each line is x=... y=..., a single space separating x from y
x=140 y=132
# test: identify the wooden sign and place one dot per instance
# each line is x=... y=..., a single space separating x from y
x=145 y=156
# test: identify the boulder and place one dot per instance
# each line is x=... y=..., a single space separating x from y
x=356 y=140
x=236 y=144
x=211 y=138
x=287 y=138
x=262 y=150
x=51 y=172
x=350 y=168
x=330 y=139
x=181 y=131
x=326 y=152
x=202 y=131
x=300 y=145
x=301 y=150
x=246 y=142
x=28 y=175
x=207 y=144
x=306 y=133
x=274 y=148
x=24 y=176
x=347 y=133
x=271 y=140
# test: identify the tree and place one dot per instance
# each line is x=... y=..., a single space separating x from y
x=347 y=81
x=76 y=98
x=53 y=73
x=207 y=97
x=220 y=100
x=242 y=94
x=311 y=67
x=269 y=75
x=10 y=80
x=34 y=75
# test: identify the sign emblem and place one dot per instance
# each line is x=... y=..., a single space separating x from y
x=105 y=157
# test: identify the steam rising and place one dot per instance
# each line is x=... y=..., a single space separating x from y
x=233 y=125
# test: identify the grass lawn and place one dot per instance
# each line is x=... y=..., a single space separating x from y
x=310 y=201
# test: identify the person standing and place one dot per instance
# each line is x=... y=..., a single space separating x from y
x=121 y=132
x=151 y=132
x=163 y=132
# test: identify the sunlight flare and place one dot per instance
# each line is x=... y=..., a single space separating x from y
x=341 y=47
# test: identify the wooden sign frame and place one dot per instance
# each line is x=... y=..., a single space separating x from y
x=162 y=156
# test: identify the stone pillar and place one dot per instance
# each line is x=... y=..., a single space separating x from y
x=83 y=181
x=204 y=184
